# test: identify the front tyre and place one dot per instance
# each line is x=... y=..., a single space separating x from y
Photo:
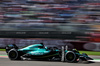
x=71 y=57
x=13 y=54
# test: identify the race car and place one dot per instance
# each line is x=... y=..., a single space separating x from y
x=39 y=51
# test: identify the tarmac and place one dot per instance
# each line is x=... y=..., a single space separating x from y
x=5 y=61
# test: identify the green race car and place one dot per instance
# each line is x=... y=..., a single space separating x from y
x=39 y=51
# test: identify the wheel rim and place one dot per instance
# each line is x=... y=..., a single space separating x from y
x=13 y=55
x=70 y=57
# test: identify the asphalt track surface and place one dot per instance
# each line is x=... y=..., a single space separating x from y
x=4 y=61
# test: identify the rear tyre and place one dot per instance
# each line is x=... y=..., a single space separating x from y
x=71 y=57
x=13 y=55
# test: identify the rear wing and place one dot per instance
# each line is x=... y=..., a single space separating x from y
x=11 y=46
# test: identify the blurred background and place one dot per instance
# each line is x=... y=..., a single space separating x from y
x=75 y=23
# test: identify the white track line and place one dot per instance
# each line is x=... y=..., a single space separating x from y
x=94 y=60
x=3 y=56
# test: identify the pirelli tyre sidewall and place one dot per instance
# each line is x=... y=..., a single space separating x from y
x=70 y=57
x=13 y=54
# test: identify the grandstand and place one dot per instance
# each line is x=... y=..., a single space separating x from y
x=49 y=15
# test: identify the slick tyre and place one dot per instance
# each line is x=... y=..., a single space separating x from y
x=71 y=57
x=13 y=55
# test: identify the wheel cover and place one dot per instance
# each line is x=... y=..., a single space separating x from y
x=13 y=55
x=70 y=57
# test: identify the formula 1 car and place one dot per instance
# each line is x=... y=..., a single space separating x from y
x=39 y=51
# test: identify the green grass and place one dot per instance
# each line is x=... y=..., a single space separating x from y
x=2 y=49
x=90 y=52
